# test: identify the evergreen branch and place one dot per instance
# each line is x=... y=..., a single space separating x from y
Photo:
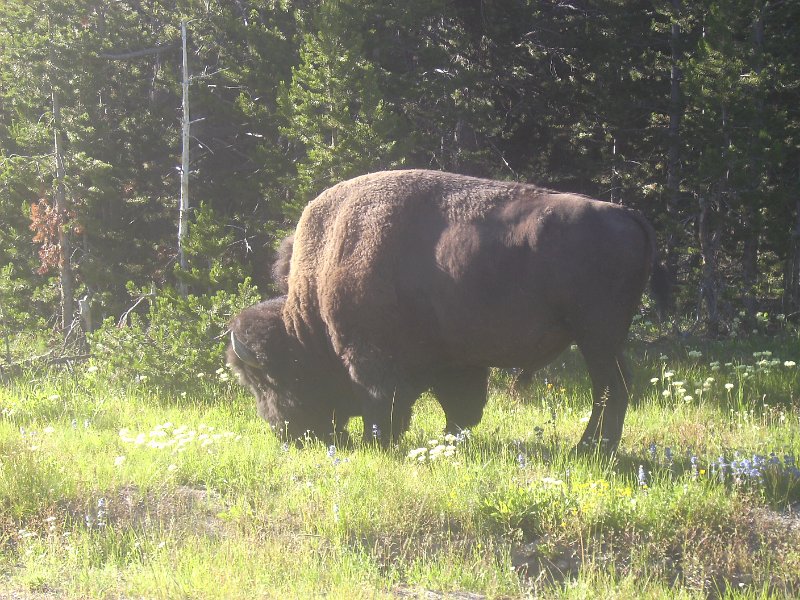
x=139 y=53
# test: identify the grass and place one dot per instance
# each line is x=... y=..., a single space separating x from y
x=108 y=492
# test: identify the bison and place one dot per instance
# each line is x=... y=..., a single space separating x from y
x=405 y=281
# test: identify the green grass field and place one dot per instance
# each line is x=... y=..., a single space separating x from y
x=138 y=493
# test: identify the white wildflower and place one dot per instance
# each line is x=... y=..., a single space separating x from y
x=552 y=481
x=415 y=453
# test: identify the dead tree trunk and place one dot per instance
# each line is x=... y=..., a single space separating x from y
x=749 y=219
x=708 y=234
x=673 y=155
x=183 y=215
x=791 y=273
x=750 y=269
x=62 y=214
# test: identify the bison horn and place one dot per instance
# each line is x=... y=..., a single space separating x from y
x=246 y=355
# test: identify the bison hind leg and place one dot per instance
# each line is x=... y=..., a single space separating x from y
x=610 y=376
x=462 y=394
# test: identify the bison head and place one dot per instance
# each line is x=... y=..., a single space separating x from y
x=290 y=389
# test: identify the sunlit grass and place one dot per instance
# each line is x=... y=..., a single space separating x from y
x=108 y=492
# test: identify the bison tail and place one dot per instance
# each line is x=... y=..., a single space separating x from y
x=660 y=288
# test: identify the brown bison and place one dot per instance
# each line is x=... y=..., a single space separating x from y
x=406 y=281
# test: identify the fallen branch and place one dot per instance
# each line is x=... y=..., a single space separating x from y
x=123 y=320
x=47 y=359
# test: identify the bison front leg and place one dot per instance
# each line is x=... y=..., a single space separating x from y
x=385 y=398
x=462 y=395
x=609 y=399
x=387 y=416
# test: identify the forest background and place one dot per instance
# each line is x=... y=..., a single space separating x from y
x=689 y=112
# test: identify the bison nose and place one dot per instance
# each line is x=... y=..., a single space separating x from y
x=244 y=354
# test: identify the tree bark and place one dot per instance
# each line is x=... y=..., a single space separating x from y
x=749 y=221
x=791 y=275
x=750 y=266
x=709 y=245
x=60 y=207
x=673 y=155
x=183 y=216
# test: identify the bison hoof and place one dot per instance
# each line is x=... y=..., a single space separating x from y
x=590 y=446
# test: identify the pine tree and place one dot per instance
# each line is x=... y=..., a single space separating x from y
x=335 y=108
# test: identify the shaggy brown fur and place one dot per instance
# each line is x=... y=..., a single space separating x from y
x=280 y=268
x=403 y=281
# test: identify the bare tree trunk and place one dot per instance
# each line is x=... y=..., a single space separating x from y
x=616 y=194
x=791 y=274
x=673 y=156
x=183 y=216
x=750 y=222
x=750 y=267
x=60 y=207
x=708 y=234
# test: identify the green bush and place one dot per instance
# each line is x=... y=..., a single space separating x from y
x=176 y=345
x=528 y=509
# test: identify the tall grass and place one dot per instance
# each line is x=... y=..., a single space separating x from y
x=108 y=491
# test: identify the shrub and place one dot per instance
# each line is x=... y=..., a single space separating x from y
x=176 y=345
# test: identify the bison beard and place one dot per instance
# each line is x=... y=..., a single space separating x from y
x=405 y=281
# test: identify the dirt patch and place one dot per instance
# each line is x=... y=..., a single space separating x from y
x=544 y=562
